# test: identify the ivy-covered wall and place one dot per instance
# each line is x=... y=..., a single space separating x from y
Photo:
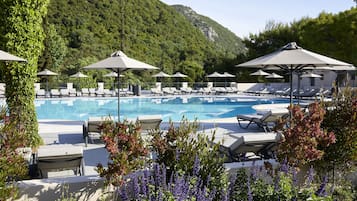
x=22 y=34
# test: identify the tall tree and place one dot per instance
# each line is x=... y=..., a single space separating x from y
x=22 y=34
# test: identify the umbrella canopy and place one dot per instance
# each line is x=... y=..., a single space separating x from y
x=78 y=75
x=215 y=74
x=274 y=76
x=260 y=73
x=161 y=74
x=119 y=62
x=4 y=56
x=225 y=74
x=112 y=74
x=178 y=74
x=46 y=72
x=311 y=75
x=292 y=58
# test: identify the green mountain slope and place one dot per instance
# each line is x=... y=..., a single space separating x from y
x=224 y=39
x=84 y=31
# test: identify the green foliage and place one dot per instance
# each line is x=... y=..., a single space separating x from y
x=126 y=151
x=23 y=36
x=12 y=165
x=341 y=119
x=304 y=139
x=181 y=146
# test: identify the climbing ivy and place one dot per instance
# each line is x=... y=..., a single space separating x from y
x=23 y=35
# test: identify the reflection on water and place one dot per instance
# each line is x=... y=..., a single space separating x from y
x=172 y=107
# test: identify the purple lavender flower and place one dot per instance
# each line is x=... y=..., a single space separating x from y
x=250 y=195
x=123 y=194
x=321 y=192
x=196 y=166
x=295 y=180
x=284 y=166
x=136 y=187
x=310 y=176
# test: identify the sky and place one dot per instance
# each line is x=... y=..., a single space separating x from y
x=250 y=16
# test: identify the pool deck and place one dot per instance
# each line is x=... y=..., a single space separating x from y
x=70 y=132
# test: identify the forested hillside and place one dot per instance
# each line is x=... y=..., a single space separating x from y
x=83 y=31
x=224 y=39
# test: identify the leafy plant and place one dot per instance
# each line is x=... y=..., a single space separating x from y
x=304 y=139
x=180 y=148
x=126 y=151
x=13 y=167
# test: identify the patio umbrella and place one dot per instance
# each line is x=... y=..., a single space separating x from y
x=161 y=74
x=227 y=75
x=292 y=59
x=119 y=62
x=260 y=73
x=311 y=75
x=78 y=75
x=274 y=76
x=214 y=75
x=46 y=73
x=178 y=75
x=4 y=56
x=114 y=75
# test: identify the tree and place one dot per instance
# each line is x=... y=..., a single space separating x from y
x=23 y=35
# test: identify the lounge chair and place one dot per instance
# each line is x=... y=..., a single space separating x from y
x=250 y=146
x=149 y=122
x=91 y=128
x=85 y=91
x=92 y=92
x=72 y=92
x=40 y=93
x=55 y=93
x=64 y=92
x=52 y=158
x=262 y=121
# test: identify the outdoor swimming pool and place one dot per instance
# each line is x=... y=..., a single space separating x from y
x=202 y=108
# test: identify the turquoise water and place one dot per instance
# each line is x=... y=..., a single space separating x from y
x=201 y=108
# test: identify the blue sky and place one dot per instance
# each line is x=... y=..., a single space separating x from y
x=250 y=16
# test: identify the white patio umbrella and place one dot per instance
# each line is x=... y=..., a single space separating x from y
x=260 y=73
x=119 y=62
x=214 y=75
x=274 y=76
x=311 y=75
x=46 y=73
x=227 y=75
x=5 y=56
x=178 y=75
x=161 y=74
x=292 y=59
x=78 y=75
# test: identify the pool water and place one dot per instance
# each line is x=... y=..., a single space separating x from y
x=173 y=108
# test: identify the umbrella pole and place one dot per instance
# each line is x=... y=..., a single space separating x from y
x=298 y=88
x=118 y=95
x=47 y=92
x=291 y=87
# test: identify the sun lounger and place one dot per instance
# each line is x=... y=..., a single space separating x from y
x=53 y=158
x=149 y=122
x=91 y=128
x=55 y=93
x=85 y=91
x=262 y=121
x=64 y=92
x=92 y=92
x=250 y=146
x=40 y=93
x=72 y=92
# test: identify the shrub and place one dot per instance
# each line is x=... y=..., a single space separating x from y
x=13 y=167
x=304 y=139
x=182 y=147
x=127 y=152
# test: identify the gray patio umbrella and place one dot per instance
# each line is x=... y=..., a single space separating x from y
x=178 y=75
x=119 y=62
x=292 y=59
x=46 y=73
x=311 y=75
x=4 y=56
x=260 y=73
x=78 y=75
x=214 y=75
x=227 y=75
x=274 y=76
